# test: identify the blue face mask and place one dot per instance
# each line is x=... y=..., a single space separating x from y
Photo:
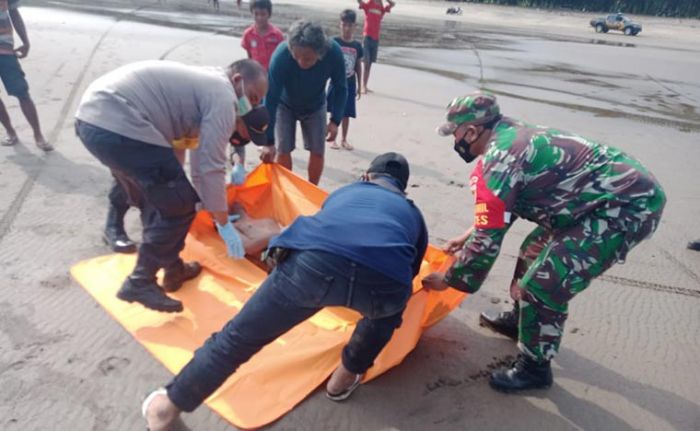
x=244 y=105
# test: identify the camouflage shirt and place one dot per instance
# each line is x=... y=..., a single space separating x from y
x=552 y=178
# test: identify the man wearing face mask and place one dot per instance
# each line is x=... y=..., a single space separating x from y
x=239 y=141
x=139 y=120
x=592 y=204
x=256 y=122
x=299 y=72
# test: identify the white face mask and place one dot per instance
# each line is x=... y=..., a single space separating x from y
x=244 y=105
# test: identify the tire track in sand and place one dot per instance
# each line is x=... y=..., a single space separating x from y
x=13 y=210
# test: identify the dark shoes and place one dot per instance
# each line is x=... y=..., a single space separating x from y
x=173 y=279
x=524 y=374
x=146 y=291
x=115 y=235
x=148 y=294
x=694 y=245
x=505 y=322
x=119 y=242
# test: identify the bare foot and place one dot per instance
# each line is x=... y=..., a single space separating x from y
x=342 y=383
x=10 y=140
x=160 y=413
x=335 y=146
x=43 y=144
x=347 y=146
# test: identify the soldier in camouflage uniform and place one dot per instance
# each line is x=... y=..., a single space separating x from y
x=592 y=204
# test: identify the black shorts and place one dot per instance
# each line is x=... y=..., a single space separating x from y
x=371 y=48
x=13 y=76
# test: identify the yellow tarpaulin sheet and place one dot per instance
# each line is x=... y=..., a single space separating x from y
x=282 y=374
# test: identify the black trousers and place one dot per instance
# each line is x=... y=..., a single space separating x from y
x=154 y=181
x=118 y=198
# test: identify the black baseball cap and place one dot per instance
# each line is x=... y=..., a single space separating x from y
x=393 y=164
x=256 y=122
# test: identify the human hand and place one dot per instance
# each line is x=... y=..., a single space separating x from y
x=332 y=131
x=234 y=243
x=434 y=281
x=22 y=51
x=238 y=174
x=516 y=292
x=267 y=153
x=454 y=245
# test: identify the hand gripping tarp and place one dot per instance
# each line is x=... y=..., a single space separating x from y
x=282 y=374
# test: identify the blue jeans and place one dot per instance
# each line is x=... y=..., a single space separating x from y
x=300 y=286
x=154 y=181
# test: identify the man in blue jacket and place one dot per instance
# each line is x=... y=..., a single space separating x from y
x=361 y=250
x=299 y=73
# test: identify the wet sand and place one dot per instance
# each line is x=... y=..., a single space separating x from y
x=629 y=358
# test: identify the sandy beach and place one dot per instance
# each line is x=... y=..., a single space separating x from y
x=629 y=359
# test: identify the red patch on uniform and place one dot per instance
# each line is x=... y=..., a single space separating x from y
x=489 y=209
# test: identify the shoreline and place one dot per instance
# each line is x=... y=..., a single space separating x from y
x=409 y=15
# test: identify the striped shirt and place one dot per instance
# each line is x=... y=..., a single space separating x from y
x=7 y=43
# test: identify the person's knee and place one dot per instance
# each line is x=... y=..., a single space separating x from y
x=547 y=301
x=23 y=96
x=175 y=199
x=380 y=330
x=284 y=159
x=390 y=323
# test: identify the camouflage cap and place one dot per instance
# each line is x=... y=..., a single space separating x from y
x=476 y=108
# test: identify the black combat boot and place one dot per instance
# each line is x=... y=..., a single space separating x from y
x=114 y=235
x=141 y=287
x=525 y=373
x=505 y=322
x=179 y=273
x=694 y=245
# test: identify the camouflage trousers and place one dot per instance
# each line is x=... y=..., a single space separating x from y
x=555 y=265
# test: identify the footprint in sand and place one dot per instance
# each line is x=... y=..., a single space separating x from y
x=112 y=364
